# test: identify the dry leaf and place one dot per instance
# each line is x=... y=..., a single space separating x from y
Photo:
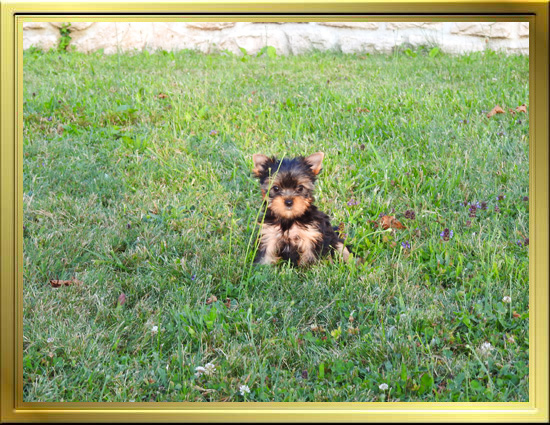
x=162 y=96
x=211 y=300
x=362 y=110
x=496 y=110
x=516 y=315
x=227 y=302
x=388 y=221
x=522 y=108
x=56 y=283
x=122 y=299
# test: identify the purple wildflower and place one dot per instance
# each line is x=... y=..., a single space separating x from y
x=497 y=209
x=50 y=118
x=352 y=202
x=526 y=241
x=406 y=245
x=410 y=214
x=501 y=197
x=483 y=205
x=213 y=132
x=518 y=243
x=447 y=234
x=473 y=209
x=526 y=198
x=193 y=277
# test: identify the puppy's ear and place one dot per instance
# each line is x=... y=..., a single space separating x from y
x=316 y=161
x=260 y=162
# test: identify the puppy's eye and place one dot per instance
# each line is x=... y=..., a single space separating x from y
x=275 y=189
x=300 y=188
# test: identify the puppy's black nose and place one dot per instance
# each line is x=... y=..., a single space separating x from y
x=288 y=202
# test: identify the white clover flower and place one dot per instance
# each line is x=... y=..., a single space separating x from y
x=507 y=299
x=383 y=387
x=243 y=389
x=486 y=348
x=209 y=369
x=199 y=370
x=50 y=340
x=403 y=316
x=155 y=329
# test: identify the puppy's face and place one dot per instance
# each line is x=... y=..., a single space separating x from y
x=288 y=183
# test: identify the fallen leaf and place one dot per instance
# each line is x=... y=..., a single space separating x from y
x=522 y=108
x=162 y=96
x=122 y=299
x=516 y=315
x=56 y=283
x=387 y=221
x=227 y=302
x=211 y=300
x=362 y=110
x=512 y=111
x=496 y=110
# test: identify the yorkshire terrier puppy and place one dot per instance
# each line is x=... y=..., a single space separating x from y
x=293 y=228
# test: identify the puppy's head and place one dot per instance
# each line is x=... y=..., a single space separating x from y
x=288 y=183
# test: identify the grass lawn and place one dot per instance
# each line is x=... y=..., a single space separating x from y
x=138 y=184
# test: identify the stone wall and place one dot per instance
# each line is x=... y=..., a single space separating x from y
x=286 y=37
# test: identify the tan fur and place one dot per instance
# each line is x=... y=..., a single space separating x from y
x=269 y=241
x=316 y=160
x=306 y=183
x=299 y=206
x=303 y=239
x=343 y=251
x=259 y=162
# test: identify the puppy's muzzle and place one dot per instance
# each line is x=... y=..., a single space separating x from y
x=289 y=202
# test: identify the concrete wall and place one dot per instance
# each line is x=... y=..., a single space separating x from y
x=287 y=38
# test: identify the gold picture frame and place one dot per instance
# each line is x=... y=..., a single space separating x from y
x=12 y=406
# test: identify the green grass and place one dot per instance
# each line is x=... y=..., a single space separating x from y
x=153 y=196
